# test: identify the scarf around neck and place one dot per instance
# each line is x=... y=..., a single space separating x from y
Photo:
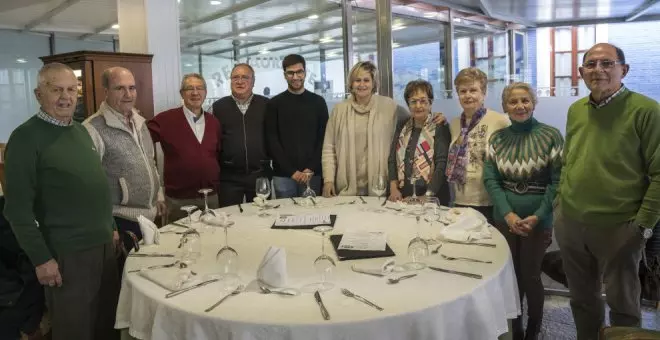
x=457 y=160
x=362 y=109
x=422 y=160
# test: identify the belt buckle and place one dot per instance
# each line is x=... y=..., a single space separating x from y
x=521 y=187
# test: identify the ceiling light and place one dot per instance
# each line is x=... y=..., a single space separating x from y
x=21 y=60
x=394 y=45
x=115 y=26
x=215 y=3
x=243 y=34
x=279 y=27
x=398 y=27
x=430 y=14
x=325 y=40
x=313 y=17
x=188 y=65
x=264 y=51
x=457 y=20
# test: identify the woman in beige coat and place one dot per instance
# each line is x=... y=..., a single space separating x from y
x=358 y=136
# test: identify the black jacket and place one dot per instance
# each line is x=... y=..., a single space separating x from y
x=243 y=136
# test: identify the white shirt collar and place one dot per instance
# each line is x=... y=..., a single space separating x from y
x=191 y=115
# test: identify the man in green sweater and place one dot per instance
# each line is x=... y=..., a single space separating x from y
x=58 y=205
x=609 y=193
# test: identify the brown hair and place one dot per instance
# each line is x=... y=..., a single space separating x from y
x=293 y=59
x=364 y=66
x=506 y=93
x=470 y=75
x=418 y=85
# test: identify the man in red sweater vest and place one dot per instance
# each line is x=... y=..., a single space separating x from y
x=190 y=139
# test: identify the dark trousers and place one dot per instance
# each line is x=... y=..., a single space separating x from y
x=592 y=253
x=486 y=211
x=123 y=227
x=527 y=254
x=174 y=212
x=235 y=186
x=25 y=315
x=84 y=307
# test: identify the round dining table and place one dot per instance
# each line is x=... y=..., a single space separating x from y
x=431 y=305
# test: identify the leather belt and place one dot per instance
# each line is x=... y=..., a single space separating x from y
x=525 y=187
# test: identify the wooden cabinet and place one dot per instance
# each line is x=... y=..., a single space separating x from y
x=89 y=66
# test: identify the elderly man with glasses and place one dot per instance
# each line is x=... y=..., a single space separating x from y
x=609 y=193
x=243 y=155
x=190 y=140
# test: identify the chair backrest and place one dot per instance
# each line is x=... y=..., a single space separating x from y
x=2 y=178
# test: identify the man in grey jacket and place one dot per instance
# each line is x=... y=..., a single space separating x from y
x=123 y=141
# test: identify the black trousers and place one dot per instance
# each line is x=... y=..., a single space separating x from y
x=234 y=186
x=84 y=307
x=25 y=315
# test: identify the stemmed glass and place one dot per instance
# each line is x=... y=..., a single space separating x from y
x=190 y=249
x=418 y=248
x=263 y=191
x=189 y=209
x=380 y=186
x=227 y=257
x=207 y=211
x=309 y=194
x=323 y=264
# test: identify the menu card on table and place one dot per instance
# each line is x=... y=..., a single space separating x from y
x=307 y=221
x=363 y=240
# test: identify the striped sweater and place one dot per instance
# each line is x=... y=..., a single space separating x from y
x=525 y=152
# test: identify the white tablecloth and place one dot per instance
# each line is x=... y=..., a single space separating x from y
x=432 y=305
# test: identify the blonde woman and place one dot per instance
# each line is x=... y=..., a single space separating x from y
x=470 y=133
x=358 y=136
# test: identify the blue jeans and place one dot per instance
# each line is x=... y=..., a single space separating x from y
x=286 y=187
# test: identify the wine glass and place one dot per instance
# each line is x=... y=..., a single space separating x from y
x=207 y=211
x=380 y=186
x=227 y=257
x=189 y=209
x=308 y=191
x=418 y=248
x=323 y=264
x=189 y=250
x=263 y=191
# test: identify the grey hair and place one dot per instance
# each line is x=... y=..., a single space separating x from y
x=192 y=75
x=50 y=67
x=506 y=93
x=107 y=74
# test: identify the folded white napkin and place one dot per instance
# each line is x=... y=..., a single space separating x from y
x=150 y=233
x=171 y=278
x=468 y=225
x=272 y=269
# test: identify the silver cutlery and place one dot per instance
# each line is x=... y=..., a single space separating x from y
x=313 y=201
x=169 y=265
x=240 y=208
x=359 y=298
x=362 y=199
x=436 y=250
x=150 y=255
x=459 y=258
x=395 y=280
x=275 y=207
x=180 y=225
x=364 y=271
x=324 y=311
x=470 y=275
x=384 y=202
x=395 y=209
x=266 y=290
x=344 y=203
x=294 y=201
x=181 y=291
x=491 y=245
x=235 y=292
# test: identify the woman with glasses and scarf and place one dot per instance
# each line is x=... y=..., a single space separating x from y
x=470 y=133
x=419 y=148
x=521 y=175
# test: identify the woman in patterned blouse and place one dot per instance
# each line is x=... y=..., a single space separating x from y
x=521 y=175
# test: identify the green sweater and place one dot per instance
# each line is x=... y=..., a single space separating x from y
x=54 y=176
x=612 y=161
x=525 y=152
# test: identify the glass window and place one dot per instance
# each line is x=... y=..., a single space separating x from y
x=586 y=37
x=563 y=39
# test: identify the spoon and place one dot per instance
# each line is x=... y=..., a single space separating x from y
x=265 y=290
x=450 y=258
x=394 y=280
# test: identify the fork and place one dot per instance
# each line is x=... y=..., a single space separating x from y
x=235 y=292
x=468 y=259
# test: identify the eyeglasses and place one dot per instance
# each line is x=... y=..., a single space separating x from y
x=422 y=102
x=605 y=64
x=294 y=73
x=194 y=88
x=239 y=78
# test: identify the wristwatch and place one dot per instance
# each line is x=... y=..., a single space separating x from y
x=646 y=232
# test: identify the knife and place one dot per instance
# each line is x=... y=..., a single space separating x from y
x=313 y=201
x=294 y=201
x=363 y=201
x=324 y=312
x=240 y=208
x=180 y=225
x=491 y=245
x=150 y=255
x=181 y=291
x=470 y=275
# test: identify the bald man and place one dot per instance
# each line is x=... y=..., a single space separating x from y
x=58 y=204
x=609 y=193
x=126 y=150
